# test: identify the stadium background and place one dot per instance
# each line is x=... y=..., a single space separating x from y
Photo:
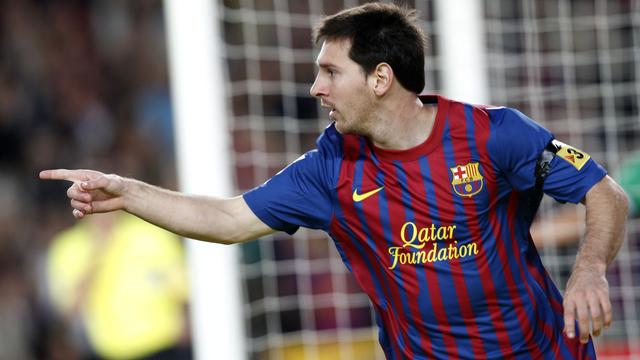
x=85 y=84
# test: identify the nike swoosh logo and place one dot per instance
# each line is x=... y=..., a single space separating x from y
x=359 y=197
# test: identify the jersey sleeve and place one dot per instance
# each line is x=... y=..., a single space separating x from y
x=302 y=194
x=516 y=146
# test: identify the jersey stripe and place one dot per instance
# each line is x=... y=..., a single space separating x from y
x=563 y=347
x=341 y=231
x=372 y=218
x=508 y=252
x=395 y=208
x=489 y=271
x=364 y=268
x=544 y=331
x=465 y=122
x=477 y=296
x=481 y=134
x=431 y=272
x=450 y=272
x=415 y=275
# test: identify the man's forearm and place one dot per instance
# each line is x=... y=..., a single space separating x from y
x=197 y=217
x=212 y=219
x=606 y=214
x=586 y=302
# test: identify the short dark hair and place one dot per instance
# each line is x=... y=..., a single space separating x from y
x=380 y=32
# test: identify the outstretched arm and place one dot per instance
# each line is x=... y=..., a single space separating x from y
x=205 y=218
x=587 y=293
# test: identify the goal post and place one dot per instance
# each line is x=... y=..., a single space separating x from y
x=463 y=55
x=202 y=147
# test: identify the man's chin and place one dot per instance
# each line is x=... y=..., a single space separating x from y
x=345 y=129
x=340 y=126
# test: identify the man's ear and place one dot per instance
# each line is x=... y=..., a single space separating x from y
x=381 y=78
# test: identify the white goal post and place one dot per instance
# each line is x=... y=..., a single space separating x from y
x=202 y=146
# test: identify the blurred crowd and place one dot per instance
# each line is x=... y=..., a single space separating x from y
x=83 y=84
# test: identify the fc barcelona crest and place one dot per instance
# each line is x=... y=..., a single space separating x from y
x=467 y=180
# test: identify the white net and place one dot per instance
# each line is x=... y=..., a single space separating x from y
x=574 y=67
x=571 y=65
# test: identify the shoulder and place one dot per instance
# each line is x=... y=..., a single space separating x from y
x=510 y=124
x=515 y=140
x=502 y=115
x=487 y=115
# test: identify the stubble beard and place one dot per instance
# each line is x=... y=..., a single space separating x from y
x=359 y=121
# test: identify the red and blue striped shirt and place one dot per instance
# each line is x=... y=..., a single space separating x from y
x=438 y=235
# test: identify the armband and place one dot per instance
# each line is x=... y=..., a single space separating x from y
x=543 y=165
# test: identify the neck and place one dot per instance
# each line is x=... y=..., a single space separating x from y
x=403 y=124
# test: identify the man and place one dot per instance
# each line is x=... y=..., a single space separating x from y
x=428 y=201
x=123 y=282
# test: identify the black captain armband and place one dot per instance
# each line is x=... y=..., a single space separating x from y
x=577 y=158
x=543 y=165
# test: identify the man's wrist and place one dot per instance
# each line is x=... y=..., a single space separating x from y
x=129 y=191
x=590 y=263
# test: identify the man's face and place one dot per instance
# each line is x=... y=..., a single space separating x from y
x=341 y=86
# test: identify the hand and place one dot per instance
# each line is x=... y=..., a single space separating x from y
x=91 y=192
x=586 y=296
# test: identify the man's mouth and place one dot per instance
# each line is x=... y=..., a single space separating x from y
x=327 y=104
x=332 y=109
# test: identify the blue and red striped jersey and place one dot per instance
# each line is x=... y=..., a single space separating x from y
x=438 y=235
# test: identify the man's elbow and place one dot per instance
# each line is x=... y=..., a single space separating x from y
x=622 y=200
x=213 y=235
x=614 y=195
x=224 y=237
x=235 y=234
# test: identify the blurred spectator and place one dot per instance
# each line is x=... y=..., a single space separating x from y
x=120 y=283
x=16 y=322
x=79 y=81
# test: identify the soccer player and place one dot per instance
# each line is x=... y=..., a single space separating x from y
x=429 y=202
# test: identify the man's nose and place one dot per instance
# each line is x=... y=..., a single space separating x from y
x=318 y=88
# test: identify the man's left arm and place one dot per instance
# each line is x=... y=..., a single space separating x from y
x=587 y=292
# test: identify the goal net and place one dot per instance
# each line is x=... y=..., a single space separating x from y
x=571 y=65
x=574 y=67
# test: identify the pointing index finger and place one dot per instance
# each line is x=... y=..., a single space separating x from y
x=62 y=174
